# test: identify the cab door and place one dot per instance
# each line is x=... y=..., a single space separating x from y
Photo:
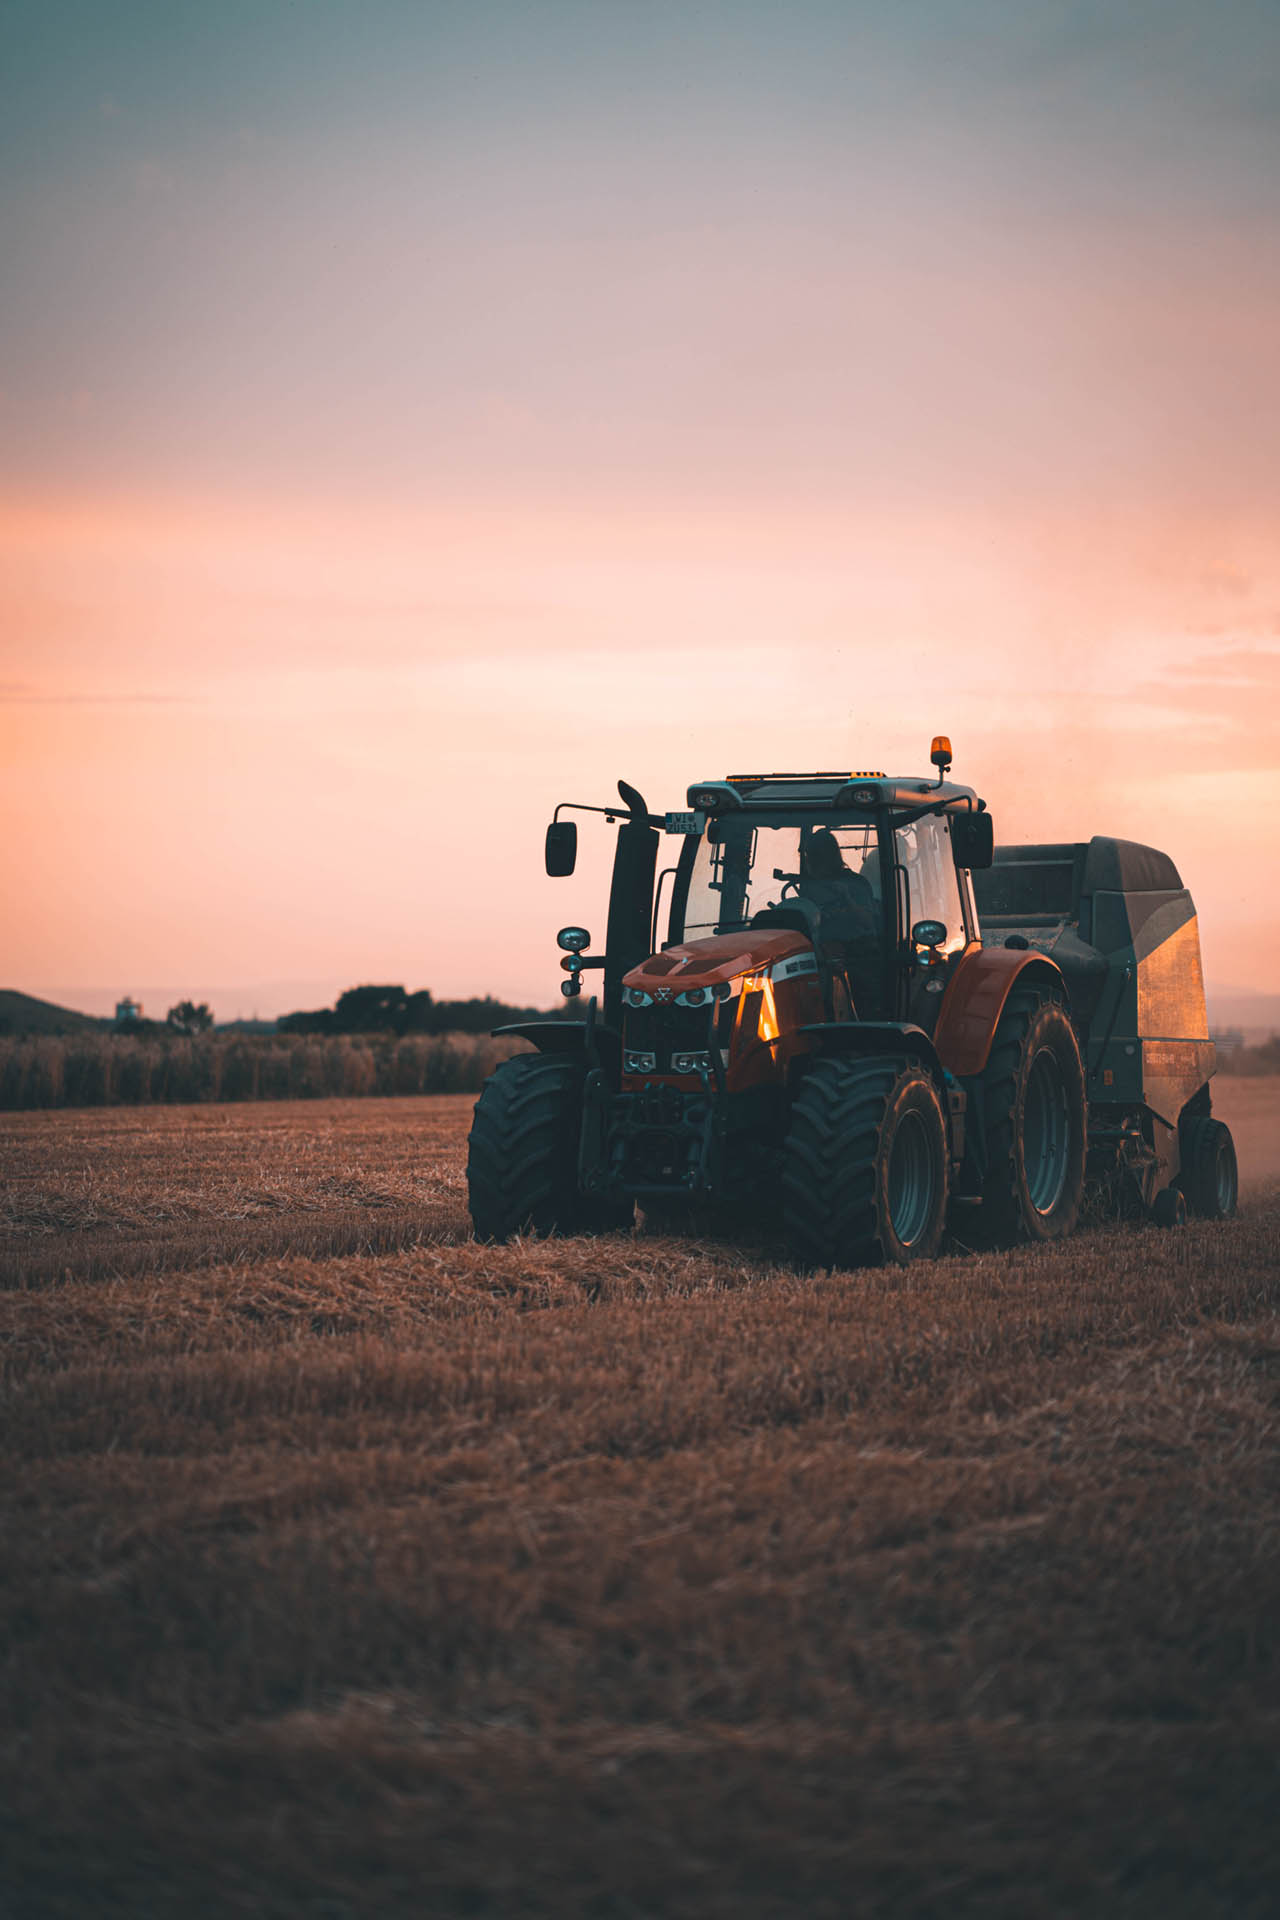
x=928 y=889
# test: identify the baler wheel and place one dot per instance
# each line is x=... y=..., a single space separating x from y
x=1169 y=1208
x=1033 y=1108
x=1209 y=1176
x=865 y=1171
x=522 y=1160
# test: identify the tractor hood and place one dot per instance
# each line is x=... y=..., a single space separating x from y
x=709 y=963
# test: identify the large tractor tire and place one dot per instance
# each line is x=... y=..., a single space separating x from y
x=1209 y=1177
x=1033 y=1117
x=522 y=1160
x=864 y=1176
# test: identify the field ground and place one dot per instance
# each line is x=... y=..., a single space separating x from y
x=351 y=1568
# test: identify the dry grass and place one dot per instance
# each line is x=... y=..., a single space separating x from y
x=123 y=1191
x=627 y=1577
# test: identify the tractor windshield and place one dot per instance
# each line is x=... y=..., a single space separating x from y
x=744 y=864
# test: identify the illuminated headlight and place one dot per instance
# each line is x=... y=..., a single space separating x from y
x=639 y=1062
x=690 y=1062
x=636 y=997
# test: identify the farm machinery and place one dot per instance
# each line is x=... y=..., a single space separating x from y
x=841 y=1007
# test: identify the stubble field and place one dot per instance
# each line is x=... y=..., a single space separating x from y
x=351 y=1568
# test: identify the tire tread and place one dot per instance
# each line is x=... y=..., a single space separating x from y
x=1003 y=1216
x=830 y=1171
x=522 y=1150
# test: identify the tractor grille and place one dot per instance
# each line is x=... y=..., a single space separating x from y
x=661 y=1141
x=667 y=1031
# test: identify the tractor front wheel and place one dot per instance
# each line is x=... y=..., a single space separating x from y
x=1033 y=1109
x=522 y=1159
x=865 y=1171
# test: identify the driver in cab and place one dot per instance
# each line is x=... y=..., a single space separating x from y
x=844 y=898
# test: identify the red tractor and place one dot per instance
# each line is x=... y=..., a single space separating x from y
x=841 y=1034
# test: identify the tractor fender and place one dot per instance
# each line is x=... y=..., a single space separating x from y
x=872 y=1037
x=573 y=1037
x=975 y=999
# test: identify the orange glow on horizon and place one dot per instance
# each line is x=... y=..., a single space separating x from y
x=254 y=744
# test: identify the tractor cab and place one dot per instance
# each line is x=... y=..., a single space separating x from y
x=852 y=884
x=813 y=875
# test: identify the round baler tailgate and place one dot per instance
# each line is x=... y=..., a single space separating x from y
x=1118 y=919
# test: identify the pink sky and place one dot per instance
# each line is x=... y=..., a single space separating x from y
x=254 y=745
x=407 y=425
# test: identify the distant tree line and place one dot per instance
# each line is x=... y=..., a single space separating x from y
x=114 y=1069
x=186 y=1018
x=392 y=1010
x=1250 y=1063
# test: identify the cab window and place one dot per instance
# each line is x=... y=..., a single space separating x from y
x=933 y=890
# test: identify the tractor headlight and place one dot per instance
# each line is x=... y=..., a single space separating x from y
x=639 y=1062
x=694 y=997
x=690 y=1063
x=636 y=997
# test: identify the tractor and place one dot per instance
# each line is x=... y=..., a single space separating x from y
x=865 y=1023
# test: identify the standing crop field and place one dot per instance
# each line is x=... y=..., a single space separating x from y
x=352 y=1568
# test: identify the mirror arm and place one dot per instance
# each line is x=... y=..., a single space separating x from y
x=611 y=814
x=581 y=806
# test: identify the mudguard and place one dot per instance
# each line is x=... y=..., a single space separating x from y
x=975 y=998
x=596 y=1045
x=874 y=1036
x=869 y=1037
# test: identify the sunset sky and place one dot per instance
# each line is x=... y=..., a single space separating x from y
x=412 y=415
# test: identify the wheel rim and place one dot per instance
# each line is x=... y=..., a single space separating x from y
x=912 y=1180
x=1046 y=1132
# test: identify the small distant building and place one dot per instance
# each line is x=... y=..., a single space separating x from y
x=127 y=1010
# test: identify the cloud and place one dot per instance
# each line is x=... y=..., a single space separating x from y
x=1227 y=583
x=1249 y=668
x=21 y=693
x=1222 y=705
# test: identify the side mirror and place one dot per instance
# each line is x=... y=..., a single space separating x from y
x=973 y=839
x=928 y=933
x=562 y=848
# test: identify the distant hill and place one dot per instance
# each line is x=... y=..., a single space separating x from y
x=23 y=1013
x=1256 y=1015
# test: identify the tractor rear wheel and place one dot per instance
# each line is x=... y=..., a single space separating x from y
x=1209 y=1176
x=522 y=1160
x=1033 y=1109
x=864 y=1175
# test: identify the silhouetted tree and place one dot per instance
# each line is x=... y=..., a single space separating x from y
x=392 y=1010
x=187 y=1017
x=370 y=1010
x=319 y=1021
